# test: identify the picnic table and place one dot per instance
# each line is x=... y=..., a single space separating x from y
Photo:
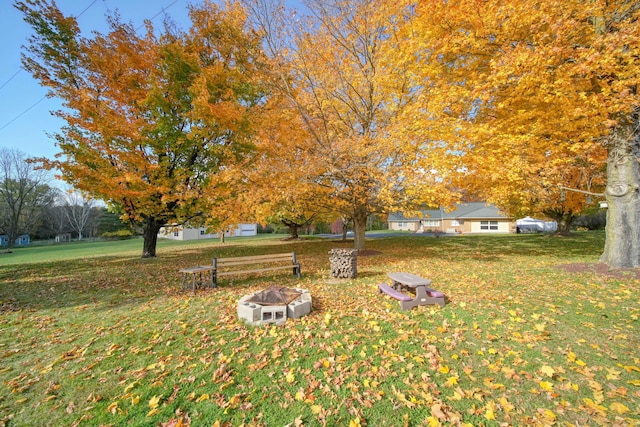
x=423 y=294
x=407 y=280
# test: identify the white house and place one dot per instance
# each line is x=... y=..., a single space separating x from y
x=179 y=232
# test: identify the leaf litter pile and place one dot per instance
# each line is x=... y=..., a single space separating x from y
x=114 y=340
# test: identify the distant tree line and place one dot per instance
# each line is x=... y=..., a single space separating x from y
x=29 y=204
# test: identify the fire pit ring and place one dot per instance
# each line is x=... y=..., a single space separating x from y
x=274 y=305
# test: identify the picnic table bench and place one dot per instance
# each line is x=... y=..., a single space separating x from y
x=423 y=294
x=255 y=264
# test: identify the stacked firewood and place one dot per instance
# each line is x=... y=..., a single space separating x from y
x=344 y=263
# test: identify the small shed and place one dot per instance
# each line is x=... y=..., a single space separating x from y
x=63 y=238
x=22 y=240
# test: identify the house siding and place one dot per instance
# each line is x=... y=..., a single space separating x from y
x=493 y=226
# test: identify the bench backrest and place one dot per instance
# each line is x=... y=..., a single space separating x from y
x=256 y=259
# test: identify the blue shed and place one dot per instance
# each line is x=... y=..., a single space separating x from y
x=22 y=240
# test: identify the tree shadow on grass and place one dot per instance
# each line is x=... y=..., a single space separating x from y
x=111 y=281
x=600 y=269
x=108 y=281
x=496 y=247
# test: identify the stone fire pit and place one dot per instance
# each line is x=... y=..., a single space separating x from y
x=274 y=305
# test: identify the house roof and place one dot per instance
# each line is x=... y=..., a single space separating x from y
x=475 y=210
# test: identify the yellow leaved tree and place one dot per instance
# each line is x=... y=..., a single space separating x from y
x=281 y=175
x=330 y=68
x=544 y=96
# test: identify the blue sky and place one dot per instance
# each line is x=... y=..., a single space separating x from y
x=25 y=117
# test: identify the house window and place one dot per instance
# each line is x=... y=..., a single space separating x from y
x=431 y=223
x=456 y=223
x=176 y=234
x=488 y=225
x=202 y=232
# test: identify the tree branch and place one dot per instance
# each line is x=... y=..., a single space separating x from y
x=580 y=191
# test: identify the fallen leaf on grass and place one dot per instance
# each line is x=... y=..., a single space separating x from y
x=154 y=402
x=619 y=408
x=203 y=397
x=548 y=370
x=113 y=408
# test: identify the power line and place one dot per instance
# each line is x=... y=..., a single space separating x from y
x=87 y=8
x=11 y=78
x=162 y=10
x=23 y=113
x=20 y=68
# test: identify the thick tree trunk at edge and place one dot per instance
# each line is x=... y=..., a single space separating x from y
x=150 y=235
x=622 y=244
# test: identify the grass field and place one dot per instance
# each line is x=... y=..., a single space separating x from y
x=530 y=335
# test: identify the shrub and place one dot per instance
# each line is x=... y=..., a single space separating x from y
x=117 y=235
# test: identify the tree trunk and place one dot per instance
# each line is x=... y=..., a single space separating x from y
x=563 y=219
x=12 y=235
x=293 y=230
x=622 y=244
x=150 y=233
x=359 y=229
x=564 y=225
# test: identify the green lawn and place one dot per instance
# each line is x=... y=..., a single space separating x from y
x=91 y=249
x=90 y=334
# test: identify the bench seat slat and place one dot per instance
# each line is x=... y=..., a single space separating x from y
x=254 y=270
x=252 y=262
x=393 y=293
x=256 y=258
x=433 y=293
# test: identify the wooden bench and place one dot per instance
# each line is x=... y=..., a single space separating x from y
x=423 y=294
x=256 y=264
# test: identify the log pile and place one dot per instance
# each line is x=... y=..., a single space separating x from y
x=344 y=263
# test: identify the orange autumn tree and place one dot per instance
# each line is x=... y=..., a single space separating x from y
x=539 y=89
x=150 y=119
x=331 y=70
x=282 y=173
